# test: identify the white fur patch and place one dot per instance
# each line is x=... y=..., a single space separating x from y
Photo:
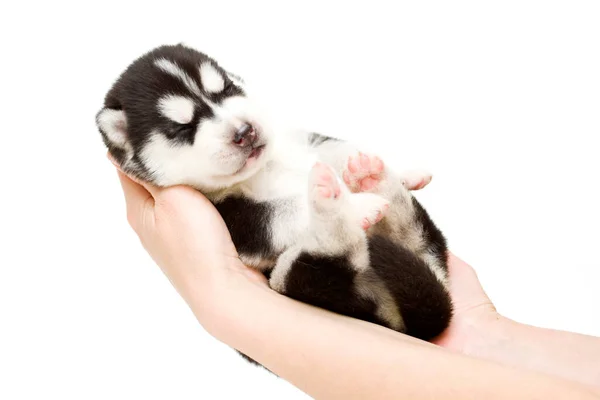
x=175 y=70
x=212 y=163
x=181 y=164
x=256 y=262
x=289 y=221
x=370 y=286
x=177 y=108
x=212 y=80
x=236 y=79
x=278 y=278
x=114 y=125
x=434 y=265
x=416 y=179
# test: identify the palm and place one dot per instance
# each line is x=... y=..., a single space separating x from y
x=191 y=216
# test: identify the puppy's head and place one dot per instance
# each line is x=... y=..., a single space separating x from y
x=176 y=117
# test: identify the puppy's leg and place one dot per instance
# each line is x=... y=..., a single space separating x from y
x=367 y=167
x=337 y=214
x=338 y=220
x=363 y=173
x=406 y=222
x=367 y=174
x=415 y=179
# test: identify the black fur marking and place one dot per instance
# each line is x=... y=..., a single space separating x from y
x=328 y=282
x=316 y=139
x=248 y=223
x=229 y=90
x=139 y=88
x=436 y=241
x=425 y=304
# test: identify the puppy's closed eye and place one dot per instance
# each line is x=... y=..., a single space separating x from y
x=182 y=131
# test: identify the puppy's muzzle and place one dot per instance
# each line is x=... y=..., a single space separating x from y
x=245 y=135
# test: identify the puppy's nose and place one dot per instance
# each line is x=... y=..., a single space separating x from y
x=245 y=135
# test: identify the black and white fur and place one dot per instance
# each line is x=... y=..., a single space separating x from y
x=293 y=206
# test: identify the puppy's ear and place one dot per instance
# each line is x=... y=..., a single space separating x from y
x=235 y=78
x=112 y=124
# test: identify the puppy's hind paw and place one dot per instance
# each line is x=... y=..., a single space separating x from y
x=416 y=180
x=363 y=172
x=324 y=187
x=370 y=209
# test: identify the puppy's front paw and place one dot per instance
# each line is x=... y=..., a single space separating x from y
x=363 y=172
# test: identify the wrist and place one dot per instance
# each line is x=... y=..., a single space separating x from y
x=226 y=300
x=488 y=336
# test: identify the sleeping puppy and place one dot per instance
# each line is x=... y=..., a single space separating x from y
x=327 y=224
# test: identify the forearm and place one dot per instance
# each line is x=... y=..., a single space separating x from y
x=564 y=354
x=330 y=356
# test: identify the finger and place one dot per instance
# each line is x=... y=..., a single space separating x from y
x=137 y=200
x=464 y=276
x=467 y=290
x=133 y=191
x=153 y=190
x=457 y=264
x=458 y=267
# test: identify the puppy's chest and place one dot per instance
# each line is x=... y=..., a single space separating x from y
x=286 y=191
x=270 y=215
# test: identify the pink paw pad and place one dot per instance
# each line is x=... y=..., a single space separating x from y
x=325 y=181
x=363 y=172
x=416 y=180
x=375 y=217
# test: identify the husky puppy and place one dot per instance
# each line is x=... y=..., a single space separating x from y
x=327 y=224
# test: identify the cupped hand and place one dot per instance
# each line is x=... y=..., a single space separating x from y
x=186 y=236
x=474 y=313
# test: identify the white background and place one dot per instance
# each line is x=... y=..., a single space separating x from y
x=500 y=100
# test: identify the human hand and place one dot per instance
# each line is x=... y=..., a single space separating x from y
x=478 y=330
x=474 y=313
x=187 y=238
